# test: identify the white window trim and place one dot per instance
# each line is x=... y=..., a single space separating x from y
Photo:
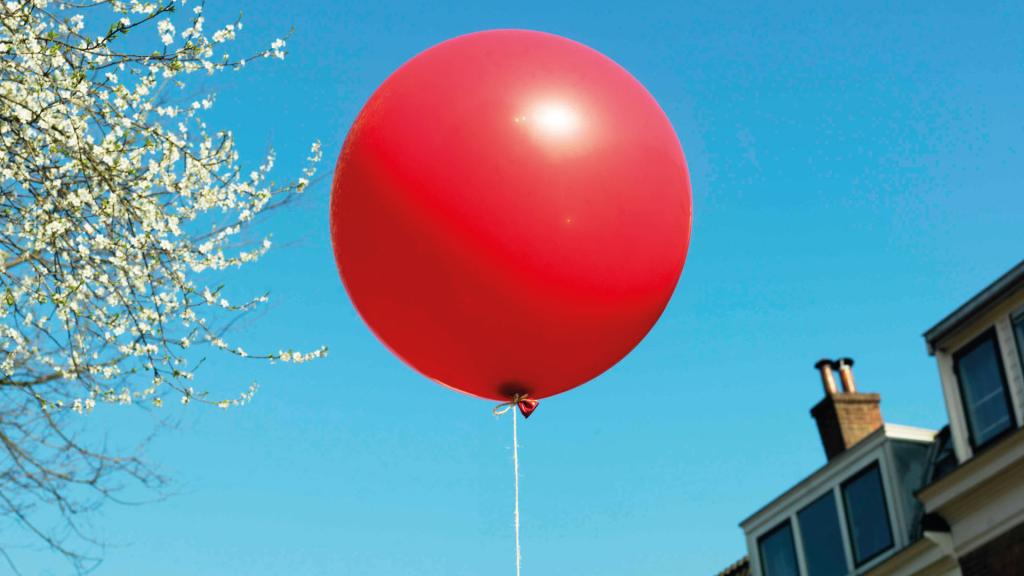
x=754 y=544
x=798 y=544
x=891 y=478
x=1011 y=370
x=1011 y=361
x=881 y=456
x=844 y=529
x=954 y=407
x=896 y=530
x=1010 y=356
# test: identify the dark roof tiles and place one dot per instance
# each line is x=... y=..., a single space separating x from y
x=740 y=567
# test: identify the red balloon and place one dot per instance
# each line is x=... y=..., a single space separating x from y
x=510 y=213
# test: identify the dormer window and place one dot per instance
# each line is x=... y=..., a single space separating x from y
x=855 y=512
x=823 y=541
x=867 y=515
x=986 y=397
x=778 y=552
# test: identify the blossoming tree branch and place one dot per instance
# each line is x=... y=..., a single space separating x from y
x=116 y=201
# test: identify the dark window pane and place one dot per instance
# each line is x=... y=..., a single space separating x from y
x=823 y=542
x=778 y=556
x=866 y=515
x=983 y=388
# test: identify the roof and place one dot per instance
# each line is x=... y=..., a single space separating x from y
x=841 y=462
x=740 y=567
x=940 y=462
x=990 y=296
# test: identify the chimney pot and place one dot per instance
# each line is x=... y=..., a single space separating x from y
x=846 y=418
x=846 y=375
x=828 y=379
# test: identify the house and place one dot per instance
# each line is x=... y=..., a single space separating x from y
x=897 y=500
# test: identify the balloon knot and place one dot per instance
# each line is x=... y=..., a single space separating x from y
x=525 y=404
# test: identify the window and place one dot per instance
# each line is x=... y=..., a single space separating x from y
x=778 y=554
x=986 y=399
x=823 y=542
x=867 y=516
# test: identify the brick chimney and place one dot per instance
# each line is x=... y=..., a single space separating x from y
x=845 y=416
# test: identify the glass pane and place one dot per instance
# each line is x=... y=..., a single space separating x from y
x=866 y=515
x=823 y=542
x=984 y=390
x=778 y=555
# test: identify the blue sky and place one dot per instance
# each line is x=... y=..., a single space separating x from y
x=856 y=176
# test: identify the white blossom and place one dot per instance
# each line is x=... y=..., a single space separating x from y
x=277 y=48
x=116 y=199
x=118 y=208
x=166 y=30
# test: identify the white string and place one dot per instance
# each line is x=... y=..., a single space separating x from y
x=500 y=409
x=515 y=464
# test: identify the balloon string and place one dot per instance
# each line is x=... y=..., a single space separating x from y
x=498 y=411
x=515 y=465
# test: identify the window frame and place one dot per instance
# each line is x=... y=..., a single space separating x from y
x=1017 y=318
x=880 y=457
x=973 y=344
x=831 y=493
x=786 y=522
x=873 y=465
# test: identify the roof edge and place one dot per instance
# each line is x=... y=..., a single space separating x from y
x=886 y=432
x=989 y=296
